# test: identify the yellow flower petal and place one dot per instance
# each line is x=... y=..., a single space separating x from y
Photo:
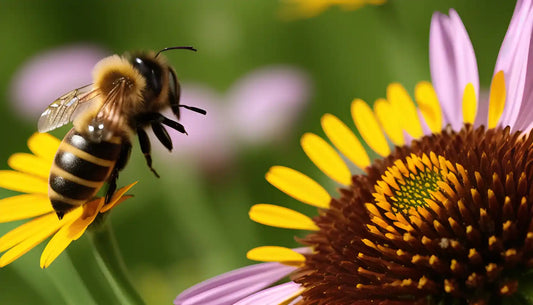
x=298 y=186
x=26 y=230
x=118 y=197
x=24 y=206
x=276 y=254
x=405 y=109
x=388 y=119
x=70 y=231
x=281 y=217
x=326 y=158
x=44 y=146
x=496 y=99
x=46 y=226
x=429 y=106
x=24 y=183
x=368 y=127
x=469 y=104
x=345 y=140
x=30 y=164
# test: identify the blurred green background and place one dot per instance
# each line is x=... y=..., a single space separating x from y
x=191 y=224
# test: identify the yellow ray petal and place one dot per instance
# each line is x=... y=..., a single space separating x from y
x=30 y=164
x=326 y=158
x=21 y=182
x=26 y=230
x=281 y=217
x=70 y=232
x=43 y=145
x=276 y=254
x=44 y=231
x=368 y=127
x=118 y=197
x=388 y=119
x=429 y=106
x=469 y=104
x=24 y=206
x=345 y=141
x=496 y=99
x=298 y=186
x=405 y=109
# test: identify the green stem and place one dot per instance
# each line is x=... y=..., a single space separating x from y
x=112 y=266
x=525 y=288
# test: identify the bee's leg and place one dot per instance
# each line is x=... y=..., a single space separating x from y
x=121 y=163
x=144 y=142
x=162 y=135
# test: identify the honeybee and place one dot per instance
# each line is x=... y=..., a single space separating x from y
x=127 y=95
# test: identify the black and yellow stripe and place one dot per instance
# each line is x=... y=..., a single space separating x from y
x=80 y=169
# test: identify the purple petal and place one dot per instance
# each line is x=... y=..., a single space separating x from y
x=235 y=285
x=50 y=74
x=516 y=60
x=452 y=63
x=272 y=296
x=267 y=102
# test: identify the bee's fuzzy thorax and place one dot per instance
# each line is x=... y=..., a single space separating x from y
x=110 y=69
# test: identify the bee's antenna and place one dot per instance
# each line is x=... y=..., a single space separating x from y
x=175 y=48
x=191 y=108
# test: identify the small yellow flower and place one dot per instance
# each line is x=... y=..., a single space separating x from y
x=30 y=176
x=295 y=9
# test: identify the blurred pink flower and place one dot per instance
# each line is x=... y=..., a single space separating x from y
x=50 y=74
x=260 y=107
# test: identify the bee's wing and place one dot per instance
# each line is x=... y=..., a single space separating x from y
x=65 y=108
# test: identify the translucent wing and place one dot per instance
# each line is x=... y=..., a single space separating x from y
x=65 y=108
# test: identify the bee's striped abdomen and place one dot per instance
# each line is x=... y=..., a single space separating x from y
x=80 y=169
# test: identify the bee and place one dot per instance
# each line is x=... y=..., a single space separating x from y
x=127 y=95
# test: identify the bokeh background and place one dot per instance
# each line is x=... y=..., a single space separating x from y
x=265 y=76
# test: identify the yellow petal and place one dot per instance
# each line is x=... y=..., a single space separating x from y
x=41 y=230
x=118 y=197
x=496 y=99
x=24 y=183
x=405 y=109
x=345 y=140
x=30 y=164
x=24 y=206
x=298 y=186
x=44 y=146
x=277 y=216
x=469 y=104
x=26 y=230
x=276 y=254
x=429 y=106
x=326 y=158
x=71 y=231
x=388 y=119
x=368 y=127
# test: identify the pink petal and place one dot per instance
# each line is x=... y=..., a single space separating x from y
x=452 y=63
x=267 y=102
x=272 y=296
x=50 y=74
x=233 y=286
x=516 y=60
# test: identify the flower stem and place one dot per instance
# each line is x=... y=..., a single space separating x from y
x=112 y=266
x=525 y=288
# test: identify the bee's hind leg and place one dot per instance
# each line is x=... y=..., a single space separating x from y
x=144 y=142
x=121 y=163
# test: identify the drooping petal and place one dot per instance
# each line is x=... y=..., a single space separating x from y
x=280 y=294
x=281 y=217
x=298 y=186
x=234 y=285
x=452 y=63
x=515 y=59
x=326 y=158
x=44 y=146
x=118 y=197
x=30 y=164
x=24 y=206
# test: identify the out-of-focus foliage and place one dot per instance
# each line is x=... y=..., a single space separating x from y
x=191 y=224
